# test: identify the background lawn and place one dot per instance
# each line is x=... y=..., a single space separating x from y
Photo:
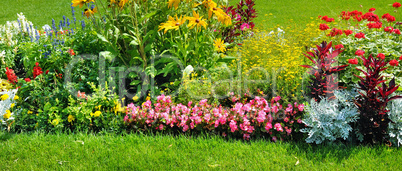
x=284 y=12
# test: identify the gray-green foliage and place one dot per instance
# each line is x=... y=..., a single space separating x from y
x=395 y=127
x=329 y=119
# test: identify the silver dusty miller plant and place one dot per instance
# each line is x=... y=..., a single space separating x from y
x=395 y=126
x=329 y=120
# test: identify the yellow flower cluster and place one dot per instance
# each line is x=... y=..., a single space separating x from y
x=196 y=20
x=276 y=56
x=4 y=97
x=96 y=114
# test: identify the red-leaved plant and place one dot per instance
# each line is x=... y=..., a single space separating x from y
x=244 y=13
x=373 y=99
x=322 y=82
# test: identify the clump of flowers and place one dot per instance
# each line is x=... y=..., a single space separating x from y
x=256 y=116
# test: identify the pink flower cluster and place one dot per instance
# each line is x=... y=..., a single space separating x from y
x=242 y=119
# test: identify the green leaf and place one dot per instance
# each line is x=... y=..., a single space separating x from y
x=102 y=38
x=135 y=82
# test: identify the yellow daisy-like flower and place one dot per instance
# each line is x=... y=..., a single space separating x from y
x=55 y=122
x=29 y=112
x=89 y=12
x=219 y=45
x=122 y=3
x=196 y=20
x=7 y=114
x=135 y=98
x=12 y=105
x=4 y=97
x=223 y=17
x=209 y=3
x=174 y=3
x=16 y=97
x=70 y=118
x=96 y=114
x=172 y=23
x=81 y=2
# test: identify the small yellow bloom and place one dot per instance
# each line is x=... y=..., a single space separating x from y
x=135 y=98
x=7 y=114
x=55 y=122
x=16 y=97
x=4 y=97
x=90 y=12
x=122 y=3
x=70 y=118
x=174 y=3
x=12 y=105
x=148 y=98
x=30 y=112
x=96 y=114
x=219 y=45
x=196 y=20
x=81 y=2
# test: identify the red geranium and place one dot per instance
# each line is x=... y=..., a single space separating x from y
x=371 y=9
x=359 y=53
x=394 y=62
x=71 y=52
x=381 y=55
x=388 y=29
x=396 y=5
x=400 y=58
x=324 y=27
x=353 y=61
x=371 y=17
x=335 y=32
x=340 y=46
x=11 y=76
x=396 y=31
x=27 y=80
x=374 y=25
x=389 y=17
x=348 y=32
x=360 y=35
x=37 y=70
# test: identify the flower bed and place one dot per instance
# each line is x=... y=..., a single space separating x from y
x=204 y=67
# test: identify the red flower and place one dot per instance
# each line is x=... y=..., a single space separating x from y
x=340 y=46
x=348 y=32
x=47 y=71
x=388 y=29
x=371 y=9
x=400 y=58
x=360 y=35
x=335 y=32
x=374 y=25
x=71 y=52
x=60 y=75
x=324 y=27
x=381 y=55
x=371 y=17
x=329 y=20
x=396 y=31
x=11 y=76
x=37 y=70
x=396 y=5
x=324 y=18
x=27 y=80
x=393 y=62
x=389 y=17
x=353 y=61
x=359 y=53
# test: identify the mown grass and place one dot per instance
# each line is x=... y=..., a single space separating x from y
x=284 y=12
x=40 y=151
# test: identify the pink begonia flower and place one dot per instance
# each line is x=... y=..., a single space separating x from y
x=185 y=128
x=286 y=119
x=277 y=98
x=278 y=127
x=244 y=26
x=268 y=126
x=288 y=130
x=233 y=125
x=125 y=118
x=299 y=121
x=274 y=139
x=246 y=136
x=289 y=108
x=160 y=127
x=238 y=17
x=261 y=116
x=301 y=107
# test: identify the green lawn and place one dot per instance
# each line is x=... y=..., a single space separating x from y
x=41 y=12
x=39 y=151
